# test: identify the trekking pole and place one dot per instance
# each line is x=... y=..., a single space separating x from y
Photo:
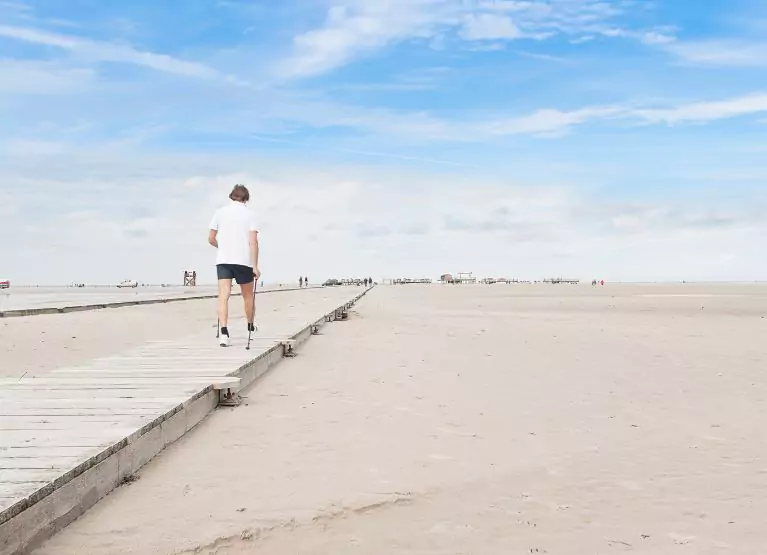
x=252 y=325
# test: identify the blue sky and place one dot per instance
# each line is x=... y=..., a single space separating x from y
x=622 y=139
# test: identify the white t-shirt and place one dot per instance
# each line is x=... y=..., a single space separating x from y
x=234 y=223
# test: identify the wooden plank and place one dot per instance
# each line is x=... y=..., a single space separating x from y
x=7 y=503
x=172 y=365
x=107 y=382
x=204 y=345
x=12 y=438
x=55 y=424
x=20 y=476
x=161 y=402
x=36 y=452
x=177 y=366
x=64 y=441
x=47 y=462
x=256 y=348
x=20 y=490
x=108 y=371
x=153 y=373
x=165 y=357
x=117 y=392
x=79 y=412
x=70 y=419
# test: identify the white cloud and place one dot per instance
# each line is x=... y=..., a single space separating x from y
x=707 y=111
x=736 y=53
x=582 y=40
x=487 y=47
x=488 y=26
x=35 y=77
x=356 y=28
x=154 y=227
x=650 y=37
x=109 y=52
x=655 y=37
x=549 y=122
x=15 y=7
x=512 y=6
x=33 y=147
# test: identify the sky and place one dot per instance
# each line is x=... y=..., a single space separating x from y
x=611 y=139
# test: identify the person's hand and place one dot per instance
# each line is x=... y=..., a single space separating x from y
x=256 y=273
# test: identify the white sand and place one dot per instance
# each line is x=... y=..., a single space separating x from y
x=487 y=419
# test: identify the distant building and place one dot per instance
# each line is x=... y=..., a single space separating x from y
x=465 y=277
x=561 y=280
x=405 y=281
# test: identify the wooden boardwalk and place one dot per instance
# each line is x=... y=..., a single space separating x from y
x=35 y=301
x=68 y=438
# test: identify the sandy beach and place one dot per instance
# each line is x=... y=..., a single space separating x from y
x=477 y=419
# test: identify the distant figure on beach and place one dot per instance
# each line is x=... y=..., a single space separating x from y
x=234 y=232
x=301 y=282
x=602 y=283
x=306 y=282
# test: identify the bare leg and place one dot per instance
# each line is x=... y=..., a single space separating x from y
x=247 y=297
x=224 y=291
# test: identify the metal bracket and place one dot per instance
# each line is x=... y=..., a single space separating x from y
x=229 y=399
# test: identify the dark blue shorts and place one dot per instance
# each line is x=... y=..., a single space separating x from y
x=240 y=274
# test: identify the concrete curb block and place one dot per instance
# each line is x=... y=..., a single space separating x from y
x=27 y=524
x=16 y=313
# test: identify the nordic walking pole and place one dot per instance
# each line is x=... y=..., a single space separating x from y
x=253 y=324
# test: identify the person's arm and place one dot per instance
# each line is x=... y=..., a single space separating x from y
x=254 y=253
x=213 y=231
x=254 y=245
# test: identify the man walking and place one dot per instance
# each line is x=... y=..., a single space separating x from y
x=233 y=231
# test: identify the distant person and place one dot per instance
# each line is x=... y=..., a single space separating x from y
x=301 y=282
x=234 y=232
x=370 y=281
x=602 y=283
x=306 y=282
